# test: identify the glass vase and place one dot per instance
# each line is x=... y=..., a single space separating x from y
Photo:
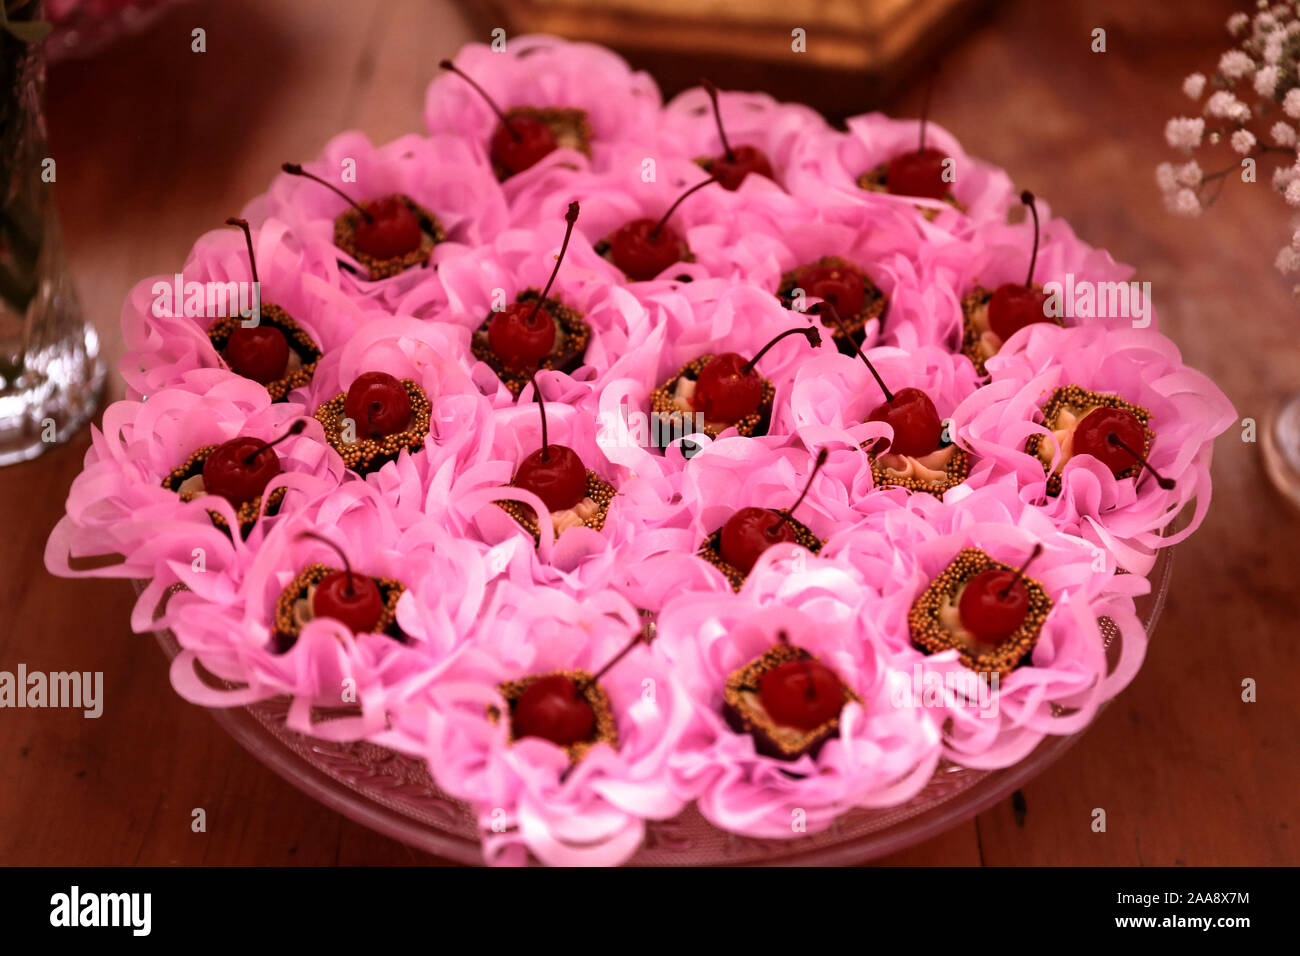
x=51 y=375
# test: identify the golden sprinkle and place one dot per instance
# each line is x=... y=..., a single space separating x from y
x=367 y=455
x=431 y=233
x=308 y=352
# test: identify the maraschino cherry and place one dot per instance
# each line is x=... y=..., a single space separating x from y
x=909 y=411
x=995 y=602
x=239 y=470
x=553 y=473
x=378 y=404
x=919 y=173
x=259 y=352
x=802 y=693
x=349 y=598
x=1015 y=306
x=388 y=227
x=733 y=165
x=844 y=288
x=751 y=531
x=555 y=708
x=521 y=334
x=728 y=388
x=643 y=248
x=1113 y=436
x=518 y=142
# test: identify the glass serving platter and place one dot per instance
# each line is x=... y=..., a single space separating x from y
x=394 y=794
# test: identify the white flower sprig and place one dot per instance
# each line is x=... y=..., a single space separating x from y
x=1254 y=81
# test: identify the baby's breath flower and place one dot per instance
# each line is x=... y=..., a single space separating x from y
x=1287 y=261
x=1185 y=133
x=1283 y=134
x=1186 y=203
x=1282 y=177
x=1188 y=174
x=1165 y=177
x=1273 y=46
x=1291 y=103
x=1237 y=23
x=1194 y=86
x=1243 y=141
x=1295 y=239
x=1292 y=193
x=1234 y=64
x=1266 y=80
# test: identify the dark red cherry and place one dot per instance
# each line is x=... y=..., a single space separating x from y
x=843 y=288
x=521 y=335
x=916 y=424
x=727 y=389
x=1015 y=306
x=379 y=405
x=732 y=170
x=556 y=475
x=803 y=694
x=239 y=470
x=523 y=143
x=643 y=251
x=260 y=352
x=993 y=605
x=918 y=173
x=553 y=708
x=352 y=599
x=750 y=532
x=1090 y=437
x=392 y=230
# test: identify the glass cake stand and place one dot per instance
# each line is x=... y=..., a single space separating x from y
x=395 y=795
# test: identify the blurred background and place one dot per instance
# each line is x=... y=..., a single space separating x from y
x=157 y=144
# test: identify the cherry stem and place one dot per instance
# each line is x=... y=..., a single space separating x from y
x=654 y=233
x=611 y=662
x=821 y=460
x=337 y=550
x=570 y=217
x=1020 y=572
x=1027 y=198
x=717 y=116
x=453 y=68
x=294 y=169
x=248 y=237
x=825 y=307
x=925 y=108
x=295 y=429
x=541 y=408
x=809 y=332
x=1166 y=483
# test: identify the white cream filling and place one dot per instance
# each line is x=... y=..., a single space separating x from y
x=562 y=521
x=950 y=621
x=302 y=608
x=1067 y=420
x=193 y=486
x=930 y=468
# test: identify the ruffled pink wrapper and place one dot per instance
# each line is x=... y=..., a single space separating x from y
x=750 y=119
x=117 y=508
x=883 y=754
x=521 y=260
x=900 y=551
x=1125 y=516
x=544 y=72
x=224 y=621
x=442 y=174
x=595 y=813
x=730 y=474
x=832 y=162
x=161 y=349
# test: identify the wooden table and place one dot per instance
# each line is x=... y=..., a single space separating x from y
x=156 y=144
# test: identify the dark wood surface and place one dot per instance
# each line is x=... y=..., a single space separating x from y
x=156 y=144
